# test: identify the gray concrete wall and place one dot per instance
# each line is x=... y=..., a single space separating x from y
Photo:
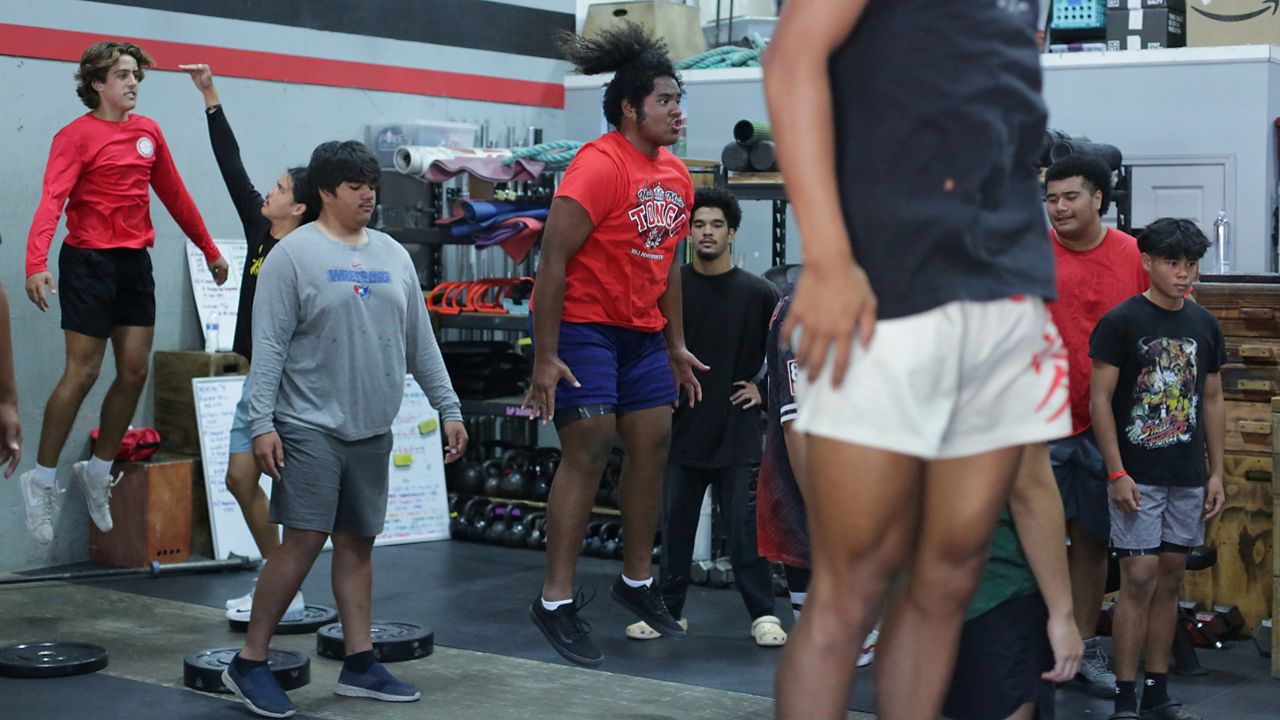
x=277 y=126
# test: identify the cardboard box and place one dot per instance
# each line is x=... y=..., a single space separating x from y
x=1232 y=22
x=1145 y=29
x=1178 y=5
x=674 y=22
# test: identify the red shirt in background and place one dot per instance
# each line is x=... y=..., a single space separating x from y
x=640 y=207
x=101 y=171
x=1090 y=284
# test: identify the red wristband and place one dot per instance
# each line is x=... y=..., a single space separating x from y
x=1116 y=475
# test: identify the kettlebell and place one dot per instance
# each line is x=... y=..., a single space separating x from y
x=544 y=465
x=497 y=527
x=537 y=524
x=472 y=512
x=468 y=478
x=611 y=540
x=493 y=478
x=517 y=527
x=593 y=544
x=515 y=479
x=481 y=522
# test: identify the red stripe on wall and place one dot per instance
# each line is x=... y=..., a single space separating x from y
x=67 y=45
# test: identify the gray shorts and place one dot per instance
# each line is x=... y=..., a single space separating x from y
x=330 y=485
x=1173 y=515
x=1082 y=480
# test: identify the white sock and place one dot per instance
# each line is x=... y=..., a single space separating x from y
x=98 y=469
x=44 y=477
x=797 y=602
x=637 y=583
x=552 y=605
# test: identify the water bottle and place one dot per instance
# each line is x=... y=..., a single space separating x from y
x=1222 y=238
x=211 y=335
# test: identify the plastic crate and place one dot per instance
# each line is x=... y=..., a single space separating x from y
x=1078 y=14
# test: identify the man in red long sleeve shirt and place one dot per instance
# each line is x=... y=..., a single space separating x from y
x=101 y=167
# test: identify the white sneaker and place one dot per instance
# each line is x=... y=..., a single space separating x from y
x=246 y=599
x=869 y=648
x=97 y=494
x=242 y=611
x=42 y=507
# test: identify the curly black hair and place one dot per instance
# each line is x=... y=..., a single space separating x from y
x=628 y=51
x=714 y=197
x=1089 y=168
x=1173 y=239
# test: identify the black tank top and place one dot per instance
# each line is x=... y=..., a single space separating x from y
x=939 y=123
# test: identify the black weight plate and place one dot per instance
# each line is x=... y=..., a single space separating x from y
x=392 y=642
x=203 y=670
x=51 y=659
x=313 y=618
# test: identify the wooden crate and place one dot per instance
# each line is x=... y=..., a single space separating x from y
x=1249 y=428
x=175 y=410
x=151 y=511
x=1245 y=309
x=1275 y=542
x=1242 y=534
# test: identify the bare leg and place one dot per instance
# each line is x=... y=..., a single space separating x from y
x=1087 y=564
x=353 y=589
x=1129 y=628
x=646 y=436
x=278 y=583
x=84 y=362
x=242 y=481
x=132 y=348
x=853 y=565
x=586 y=445
x=1162 y=616
x=962 y=498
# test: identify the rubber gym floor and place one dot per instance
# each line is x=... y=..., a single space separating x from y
x=489 y=661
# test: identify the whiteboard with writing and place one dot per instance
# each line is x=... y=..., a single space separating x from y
x=214 y=302
x=417 y=502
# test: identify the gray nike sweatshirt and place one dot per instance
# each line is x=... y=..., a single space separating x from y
x=334 y=328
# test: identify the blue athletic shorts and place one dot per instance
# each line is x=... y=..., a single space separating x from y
x=241 y=436
x=624 y=368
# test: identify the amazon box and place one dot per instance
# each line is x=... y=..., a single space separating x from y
x=1232 y=22
x=1179 y=5
x=1145 y=29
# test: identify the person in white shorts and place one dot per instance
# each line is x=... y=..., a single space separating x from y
x=908 y=133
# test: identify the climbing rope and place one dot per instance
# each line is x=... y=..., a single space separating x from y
x=556 y=155
x=727 y=56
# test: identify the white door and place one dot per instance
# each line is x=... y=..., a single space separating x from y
x=1192 y=191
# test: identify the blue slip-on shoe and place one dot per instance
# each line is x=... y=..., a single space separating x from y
x=377 y=683
x=259 y=691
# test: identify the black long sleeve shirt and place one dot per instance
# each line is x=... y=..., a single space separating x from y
x=257 y=229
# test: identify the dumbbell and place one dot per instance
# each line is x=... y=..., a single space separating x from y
x=1232 y=618
x=721 y=573
x=699 y=571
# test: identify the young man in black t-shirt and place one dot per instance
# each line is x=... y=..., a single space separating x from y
x=716 y=443
x=290 y=204
x=1156 y=405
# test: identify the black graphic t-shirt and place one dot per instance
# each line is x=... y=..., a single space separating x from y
x=1164 y=357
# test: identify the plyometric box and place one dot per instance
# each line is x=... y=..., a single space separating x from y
x=151 y=513
x=175 y=410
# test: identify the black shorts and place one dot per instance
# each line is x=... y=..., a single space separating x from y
x=102 y=289
x=1002 y=653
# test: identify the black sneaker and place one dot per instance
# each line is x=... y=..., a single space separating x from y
x=567 y=633
x=646 y=603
